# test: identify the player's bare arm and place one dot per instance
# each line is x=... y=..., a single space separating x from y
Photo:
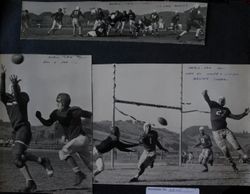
x=196 y=145
x=161 y=147
x=46 y=122
x=14 y=81
x=239 y=116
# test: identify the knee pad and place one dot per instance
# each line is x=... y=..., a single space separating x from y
x=19 y=163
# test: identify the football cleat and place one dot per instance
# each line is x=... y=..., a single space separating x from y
x=30 y=187
x=236 y=170
x=80 y=176
x=205 y=170
x=47 y=166
x=134 y=179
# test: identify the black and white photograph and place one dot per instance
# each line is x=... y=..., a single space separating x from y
x=153 y=124
x=46 y=123
x=133 y=21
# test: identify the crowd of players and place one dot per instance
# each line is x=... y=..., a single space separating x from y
x=115 y=22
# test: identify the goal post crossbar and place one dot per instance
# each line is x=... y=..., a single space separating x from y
x=147 y=104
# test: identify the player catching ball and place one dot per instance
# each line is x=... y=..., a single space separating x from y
x=111 y=142
x=206 y=155
x=77 y=141
x=221 y=134
x=16 y=103
x=149 y=140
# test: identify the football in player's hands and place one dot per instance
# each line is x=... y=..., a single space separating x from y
x=38 y=114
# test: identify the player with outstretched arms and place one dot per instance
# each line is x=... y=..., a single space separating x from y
x=206 y=155
x=16 y=103
x=57 y=21
x=221 y=134
x=111 y=142
x=149 y=140
x=77 y=142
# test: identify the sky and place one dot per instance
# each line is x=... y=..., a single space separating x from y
x=141 y=7
x=161 y=84
x=44 y=76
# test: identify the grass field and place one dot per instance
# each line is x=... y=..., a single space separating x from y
x=187 y=174
x=66 y=34
x=11 y=179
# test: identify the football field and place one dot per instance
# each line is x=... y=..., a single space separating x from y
x=187 y=174
x=11 y=179
x=66 y=34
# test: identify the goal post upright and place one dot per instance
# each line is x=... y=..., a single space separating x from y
x=113 y=111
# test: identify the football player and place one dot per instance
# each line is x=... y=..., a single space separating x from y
x=196 y=20
x=57 y=21
x=206 y=155
x=16 y=105
x=77 y=141
x=100 y=30
x=149 y=140
x=111 y=142
x=174 y=25
x=155 y=22
x=25 y=21
x=75 y=15
x=131 y=19
x=221 y=134
x=99 y=16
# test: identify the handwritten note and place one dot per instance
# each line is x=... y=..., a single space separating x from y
x=171 y=190
x=210 y=73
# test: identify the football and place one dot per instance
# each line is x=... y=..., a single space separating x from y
x=162 y=121
x=17 y=59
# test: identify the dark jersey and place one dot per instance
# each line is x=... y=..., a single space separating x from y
x=101 y=29
x=205 y=141
x=70 y=121
x=131 y=15
x=175 y=19
x=124 y=17
x=76 y=14
x=113 y=142
x=146 y=21
x=25 y=16
x=16 y=106
x=100 y=15
x=154 y=17
x=58 y=16
x=218 y=114
x=150 y=140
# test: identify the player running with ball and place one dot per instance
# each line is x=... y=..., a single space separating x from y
x=149 y=140
x=222 y=135
x=16 y=103
x=70 y=120
x=206 y=155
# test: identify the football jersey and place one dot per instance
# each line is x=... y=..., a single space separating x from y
x=131 y=15
x=149 y=140
x=218 y=115
x=205 y=141
x=154 y=17
x=16 y=106
x=76 y=14
x=58 y=16
x=70 y=121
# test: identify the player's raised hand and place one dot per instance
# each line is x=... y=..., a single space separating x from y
x=2 y=69
x=247 y=111
x=14 y=79
x=38 y=114
x=204 y=92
